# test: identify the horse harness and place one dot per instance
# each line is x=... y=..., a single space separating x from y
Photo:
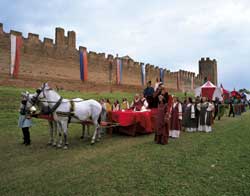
x=70 y=114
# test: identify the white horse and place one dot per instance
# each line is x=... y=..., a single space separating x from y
x=45 y=109
x=70 y=111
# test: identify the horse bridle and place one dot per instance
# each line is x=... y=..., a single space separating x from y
x=36 y=99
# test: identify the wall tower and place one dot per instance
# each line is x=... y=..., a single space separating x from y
x=208 y=70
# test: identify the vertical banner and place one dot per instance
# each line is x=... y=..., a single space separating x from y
x=143 y=75
x=118 y=71
x=192 y=82
x=162 y=75
x=178 y=81
x=15 y=54
x=83 y=65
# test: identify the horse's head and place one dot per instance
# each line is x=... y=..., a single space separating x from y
x=40 y=94
x=26 y=100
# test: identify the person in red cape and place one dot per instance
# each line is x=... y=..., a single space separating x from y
x=162 y=122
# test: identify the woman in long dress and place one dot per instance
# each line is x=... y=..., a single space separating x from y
x=205 y=119
x=189 y=117
x=175 y=119
x=162 y=122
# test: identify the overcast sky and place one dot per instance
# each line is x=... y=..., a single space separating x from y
x=172 y=34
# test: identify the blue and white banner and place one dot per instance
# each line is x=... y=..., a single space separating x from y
x=143 y=74
x=162 y=75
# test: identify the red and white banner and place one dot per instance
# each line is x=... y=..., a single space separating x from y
x=15 y=53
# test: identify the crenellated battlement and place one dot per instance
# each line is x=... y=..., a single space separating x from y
x=59 y=58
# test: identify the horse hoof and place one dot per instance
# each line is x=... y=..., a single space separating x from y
x=54 y=145
x=65 y=147
x=49 y=143
x=59 y=146
x=92 y=142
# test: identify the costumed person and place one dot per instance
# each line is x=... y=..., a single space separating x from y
x=137 y=103
x=108 y=105
x=231 y=108
x=175 y=118
x=108 y=108
x=206 y=117
x=103 y=114
x=217 y=108
x=125 y=104
x=144 y=103
x=156 y=94
x=164 y=93
x=24 y=121
x=162 y=122
x=184 y=105
x=189 y=118
x=157 y=83
x=197 y=112
x=148 y=94
x=116 y=106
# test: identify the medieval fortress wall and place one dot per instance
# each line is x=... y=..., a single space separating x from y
x=58 y=61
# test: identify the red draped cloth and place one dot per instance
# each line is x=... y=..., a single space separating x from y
x=132 y=122
x=45 y=116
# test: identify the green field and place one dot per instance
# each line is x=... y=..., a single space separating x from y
x=196 y=164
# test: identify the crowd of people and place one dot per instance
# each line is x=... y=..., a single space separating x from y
x=172 y=116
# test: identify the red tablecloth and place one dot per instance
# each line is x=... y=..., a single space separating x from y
x=135 y=122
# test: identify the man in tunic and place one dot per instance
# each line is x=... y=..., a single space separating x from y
x=217 y=107
x=156 y=94
x=175 y=119
x=205 y=118
x=189 y=116
x=162 y=122
x=148 y=94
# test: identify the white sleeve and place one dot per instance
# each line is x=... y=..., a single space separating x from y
x=145 y=104
x=210 y=107
x=192 y=112
x=180 y=111
x=199 y=107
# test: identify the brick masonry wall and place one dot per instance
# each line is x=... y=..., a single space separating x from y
x=59 y=63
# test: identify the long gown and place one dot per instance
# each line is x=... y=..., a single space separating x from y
x=205 y=118
x=162 y=126
x=176 y=116
x=189 y=118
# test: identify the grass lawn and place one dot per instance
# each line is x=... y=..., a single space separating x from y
x=200 y=164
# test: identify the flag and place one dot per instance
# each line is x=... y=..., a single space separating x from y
x=178 y=80
x=162 y=75
x=83 y=65
x=15 y=53
x=192 y=82
x=118 y=71
x=143 y=74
